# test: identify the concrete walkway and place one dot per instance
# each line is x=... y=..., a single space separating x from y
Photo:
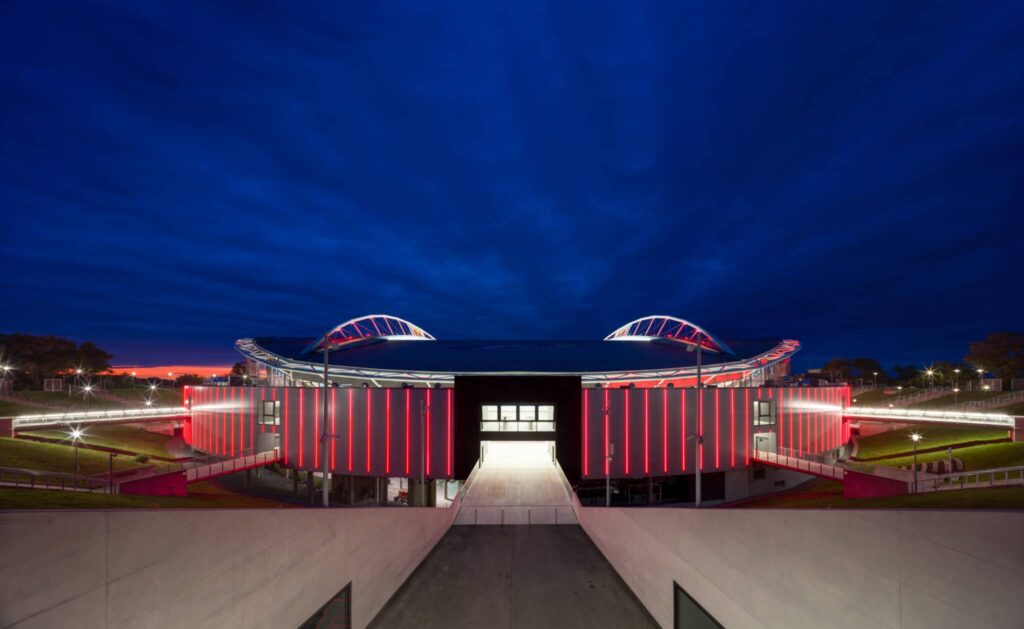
x=529 y=577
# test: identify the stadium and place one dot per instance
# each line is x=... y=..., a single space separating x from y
x=623 y=414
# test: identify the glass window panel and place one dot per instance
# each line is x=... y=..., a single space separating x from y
x=490 y=413
x=546 y=426
x=546 y=413
x=528 y=426
x=527 y=413
x=490 y=426
x=509 y=427
x=508 y=413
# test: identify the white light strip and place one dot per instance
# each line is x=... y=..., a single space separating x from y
x=947 y=417
x=96 y=416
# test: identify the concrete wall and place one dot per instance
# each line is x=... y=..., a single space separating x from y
x=205 y=568
x=804 y=568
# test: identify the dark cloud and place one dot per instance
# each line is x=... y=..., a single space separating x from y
x=176 y=177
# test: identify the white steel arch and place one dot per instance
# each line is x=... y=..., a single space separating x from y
x=379 y=326
x=668 y=327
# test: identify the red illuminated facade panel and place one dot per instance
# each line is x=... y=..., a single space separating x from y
x=728 y=425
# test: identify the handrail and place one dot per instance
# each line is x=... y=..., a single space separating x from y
x=949 y=417
x=28 y=421
x=231 y=465
x=65 y=479
x=801 y=465
x=982 y=478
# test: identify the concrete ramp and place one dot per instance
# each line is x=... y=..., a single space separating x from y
x=528 y=577
x=517 y=483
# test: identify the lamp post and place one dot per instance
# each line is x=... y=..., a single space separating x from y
x=956 y=395
x=423 y=451
x=110 y=473
x=874 y=379
x=87 y=392
x=956 y=378
x=981 y=377
x=700 y=418
x=698 y=445
x=76 y=437
x=930 y=373
x=915 y=437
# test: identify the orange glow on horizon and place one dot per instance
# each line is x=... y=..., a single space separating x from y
x=177 y=370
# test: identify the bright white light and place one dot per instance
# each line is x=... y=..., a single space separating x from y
x=78 y=371
x=149 y=402
x=152 y=387
x=517 y=454
x=76 y=434
x=930 y=372
x=956 y=390
x=133 y=374
x=87 y=388
x=915 y=437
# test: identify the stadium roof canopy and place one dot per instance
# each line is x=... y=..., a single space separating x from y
x=389 y=348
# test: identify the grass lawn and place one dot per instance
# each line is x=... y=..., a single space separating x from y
x=974 y=457
x=898 y=441
x=57 y=458
x=114 y=436
x=200 y=496
x=1013 y=409
x=160 y=397
x=825 y=494
x=964 y=396
x=12 y=409
x=875 y=397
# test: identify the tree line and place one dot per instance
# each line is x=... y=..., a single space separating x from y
x=999 y=355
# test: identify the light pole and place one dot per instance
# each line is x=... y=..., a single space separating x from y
x=699 y=444
x=76 y=437
x=424 y=409
x=110 y=474
x=956 y=378
x=956 y=395
x=874 y=377
x=87 y=392
x=981 y=378
x=915 y=437
x=931 y=382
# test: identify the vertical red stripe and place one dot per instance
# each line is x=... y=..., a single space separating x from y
x=369 y=430
x=605 y=411
x=428 y=448
x=746 y=426
x=334 y=423
x=717 y=440
x=682 y=427
x=626 y=397
x=732 y=427
x=234 y=418
x=789 y=408
x=647 y=434
x=700 y=423
x=351 y=420
x=262 y=396
x=664 y=430
x=408 y=426
x=302 y=428
x=586 y=433
x=285 y=426
x=448 y=441
x=387 y=431
x=316 y=424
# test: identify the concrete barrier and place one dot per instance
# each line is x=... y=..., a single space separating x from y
x=205 y=568
x=809 y=568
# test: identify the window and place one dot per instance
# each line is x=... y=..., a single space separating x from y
x=270 y=414
x=763 y=413
x=688 y=613
x=517 y=418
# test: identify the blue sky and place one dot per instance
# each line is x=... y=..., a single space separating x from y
x=176 y=176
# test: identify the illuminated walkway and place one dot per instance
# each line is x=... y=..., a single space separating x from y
x=517 y=484
x=529 y=577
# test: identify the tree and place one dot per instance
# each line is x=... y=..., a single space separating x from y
x=188 y=379
x=906 y=374
x=35 y=358
x=866 y=368
x=1000 y=353
x=840 y=368
x=239 y=369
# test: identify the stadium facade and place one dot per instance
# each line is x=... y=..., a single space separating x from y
x=401 y=403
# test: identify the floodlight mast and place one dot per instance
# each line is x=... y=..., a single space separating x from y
x=324 y=435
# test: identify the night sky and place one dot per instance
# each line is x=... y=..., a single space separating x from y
x=175 y=177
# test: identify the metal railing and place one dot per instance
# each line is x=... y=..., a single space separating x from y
x=42 y=479
x=95 y=417
x=998 y=420
x=994 y=402
x=220 y=468
x=801 y=465
x=996 y=477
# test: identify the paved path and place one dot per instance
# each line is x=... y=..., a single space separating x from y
x=529 y=577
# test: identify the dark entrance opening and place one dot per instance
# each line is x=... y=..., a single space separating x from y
x=533 y=398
